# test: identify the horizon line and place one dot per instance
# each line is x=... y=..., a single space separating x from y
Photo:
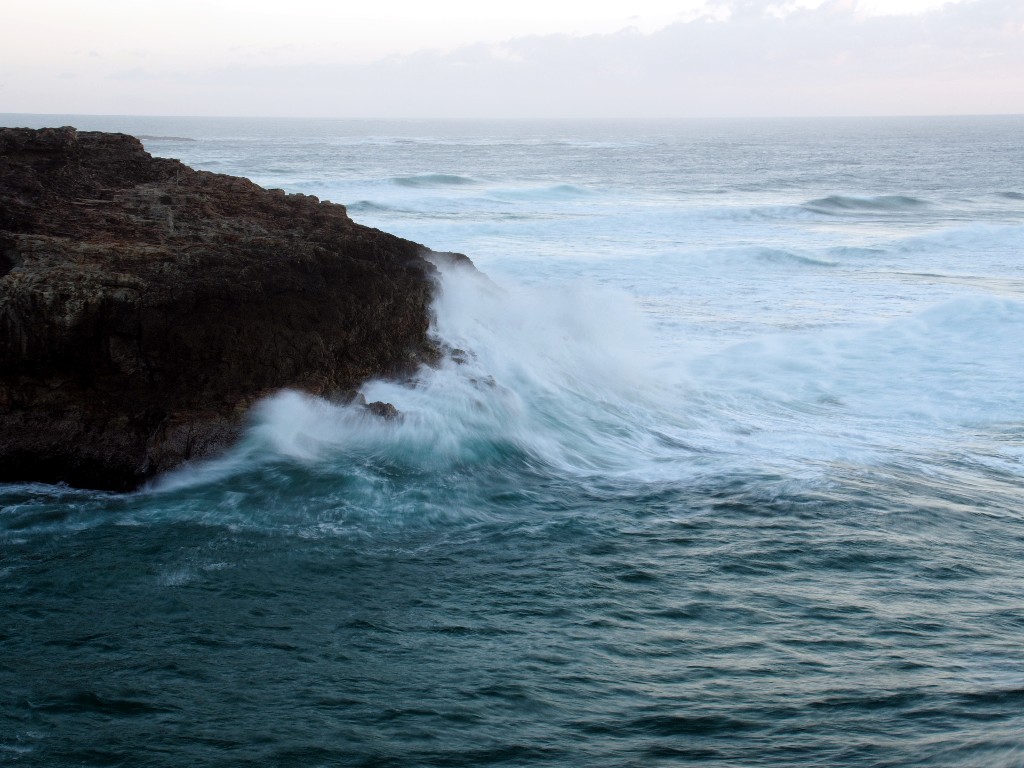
x=552 y=118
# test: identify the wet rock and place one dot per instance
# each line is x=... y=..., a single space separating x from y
x=385 y=411
x=145 y=306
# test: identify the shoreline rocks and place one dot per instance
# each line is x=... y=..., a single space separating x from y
x=145 y=306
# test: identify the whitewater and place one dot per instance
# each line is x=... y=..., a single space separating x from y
x=725 y=467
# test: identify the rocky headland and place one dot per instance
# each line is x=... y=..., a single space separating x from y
x=145 y=306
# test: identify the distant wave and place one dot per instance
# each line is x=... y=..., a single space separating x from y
x=849 y=204
x=777 y=256
x=147 y=137
x=993 y=286
x=969 y=237
x=368 y=206
x=432 y=180
x=1012 y=195
x=860 y=251
x=769 y=256
x=752 y=213
x=554 y=192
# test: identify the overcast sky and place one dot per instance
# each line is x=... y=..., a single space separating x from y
x=528 y=58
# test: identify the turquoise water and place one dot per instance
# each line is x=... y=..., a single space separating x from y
x=731 y=475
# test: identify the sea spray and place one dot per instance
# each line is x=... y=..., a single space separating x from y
x=571 y=379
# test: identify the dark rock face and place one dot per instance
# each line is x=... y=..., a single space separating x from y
x=144 y=306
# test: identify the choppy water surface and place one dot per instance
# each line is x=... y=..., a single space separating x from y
x=732 y=473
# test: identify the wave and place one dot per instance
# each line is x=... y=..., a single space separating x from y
x=777 y=256
x=433 y=180
x=147 y=137
x=857 y=252
x=972 y=237
x=566 y=384
x=837 y=204
x=1012 y=195
x=33 y=508
x=553 y=192
x=369 y=206
x=550 y=387
x=995 y=286
x=747 y=213
x=562 y=394
x=752 y=257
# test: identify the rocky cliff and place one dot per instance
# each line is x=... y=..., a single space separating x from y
x=144 y=306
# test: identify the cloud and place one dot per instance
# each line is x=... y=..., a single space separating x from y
x=741 y=58
x=829 y=60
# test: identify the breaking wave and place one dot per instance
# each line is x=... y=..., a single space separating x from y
x=369 y=206
x=557 y=385
x=767 y=257
x=836 y=204
x=552 y=192
x=147 y=137
x=433 y=180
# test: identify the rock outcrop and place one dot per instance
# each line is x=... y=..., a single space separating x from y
x=144 y=306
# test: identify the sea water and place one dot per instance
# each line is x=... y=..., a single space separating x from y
x=731 y=472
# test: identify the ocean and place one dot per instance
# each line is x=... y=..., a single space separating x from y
x=731 y=472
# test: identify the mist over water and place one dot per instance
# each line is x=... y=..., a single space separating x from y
x=726 y=469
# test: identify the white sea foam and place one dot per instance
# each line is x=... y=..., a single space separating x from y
x=664 y=319
x=571 y=377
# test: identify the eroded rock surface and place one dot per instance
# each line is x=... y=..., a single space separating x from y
x=144 y=306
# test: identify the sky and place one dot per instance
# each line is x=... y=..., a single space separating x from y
x=528 y=58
